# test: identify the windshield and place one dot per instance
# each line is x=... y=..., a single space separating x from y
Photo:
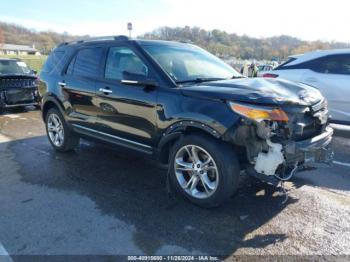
x=8 y=67
x=189 y=63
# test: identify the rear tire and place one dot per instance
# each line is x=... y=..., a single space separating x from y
x=61 y=137
x=209 y=178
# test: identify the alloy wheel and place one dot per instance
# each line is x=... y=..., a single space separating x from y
x=55 y=130
x=196 y=171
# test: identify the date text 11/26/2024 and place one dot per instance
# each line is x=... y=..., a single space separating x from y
x=173 y=258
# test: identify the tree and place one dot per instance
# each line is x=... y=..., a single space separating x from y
x=215 y=41
x=2 y=37
x=224 y=44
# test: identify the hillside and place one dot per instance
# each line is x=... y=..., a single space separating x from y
x=218 y=42
x=43 y=41
x=224 y=44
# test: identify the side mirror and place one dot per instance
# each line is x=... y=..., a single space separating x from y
x=130 y=78
x=34 y=72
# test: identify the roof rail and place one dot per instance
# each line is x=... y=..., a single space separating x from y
x=99 y=38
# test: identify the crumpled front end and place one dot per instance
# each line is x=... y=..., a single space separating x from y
x=275 y=150
x=18 y=91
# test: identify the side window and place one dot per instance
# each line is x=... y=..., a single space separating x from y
x=122 y=59
x=71 y=66
x=53 y=61
x=333 y=64
x=86 y=63
x=344 y=67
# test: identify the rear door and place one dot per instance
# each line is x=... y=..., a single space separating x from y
x=79 y=85
x=126 y=113
x=331 y=75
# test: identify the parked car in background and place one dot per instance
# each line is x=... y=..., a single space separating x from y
x=187 y=109
x=18 y=84
x=262 y=69
x=327 y=70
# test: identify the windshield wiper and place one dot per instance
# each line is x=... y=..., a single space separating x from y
x=200 y=80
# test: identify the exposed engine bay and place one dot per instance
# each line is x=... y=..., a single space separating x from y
x=276 y=150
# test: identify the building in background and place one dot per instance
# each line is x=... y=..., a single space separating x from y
x=10 y=49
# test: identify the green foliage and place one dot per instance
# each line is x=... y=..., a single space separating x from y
x=223 y=44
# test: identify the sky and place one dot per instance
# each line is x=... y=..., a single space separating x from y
x=326 y=20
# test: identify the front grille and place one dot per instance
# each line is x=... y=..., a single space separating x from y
x=322 y=105
x=309 y=131
x=19 y=96
x=17 y=83
x=313 y=122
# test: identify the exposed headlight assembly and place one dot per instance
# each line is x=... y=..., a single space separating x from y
x=259 y=113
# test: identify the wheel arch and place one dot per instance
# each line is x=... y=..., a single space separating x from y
x=181 y=128
x=51 y=102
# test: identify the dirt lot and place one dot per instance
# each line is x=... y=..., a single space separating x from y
x=102 y=201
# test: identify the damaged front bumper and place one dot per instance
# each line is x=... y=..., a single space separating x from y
x=311 y=151
x=16 y=97
x=297 y=156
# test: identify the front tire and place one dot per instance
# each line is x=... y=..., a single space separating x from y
x=204 y=170
x=61 y=137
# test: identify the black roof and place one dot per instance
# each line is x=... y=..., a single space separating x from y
x=121 y=38
x=96 y=39
x=160 y=42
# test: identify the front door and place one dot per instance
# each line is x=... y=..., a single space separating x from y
x=126 y=113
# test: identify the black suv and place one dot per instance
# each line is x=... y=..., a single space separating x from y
x=186 y=108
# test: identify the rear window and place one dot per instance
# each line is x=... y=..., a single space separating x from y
x=86 y=63
x=53 y=61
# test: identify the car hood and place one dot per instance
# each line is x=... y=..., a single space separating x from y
x=256 y=90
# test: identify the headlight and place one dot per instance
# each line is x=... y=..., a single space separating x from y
x=259 y=113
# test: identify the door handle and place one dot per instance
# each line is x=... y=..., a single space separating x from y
x=106 y=91
x=62 y=84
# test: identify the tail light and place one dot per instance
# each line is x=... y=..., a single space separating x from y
x=269 y=75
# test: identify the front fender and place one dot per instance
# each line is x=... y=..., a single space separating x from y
x=183 y=125
x=180 y=127
x=177 y=129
